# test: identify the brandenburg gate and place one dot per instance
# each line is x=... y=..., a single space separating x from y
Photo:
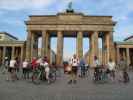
x=70 y=24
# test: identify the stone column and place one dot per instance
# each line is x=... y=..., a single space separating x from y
x=35 y=47
x=110 y=46
x=43 y=43
x=80 y=44
x=59 y=58
x=13 y=53
x=128 y=56
x=88 y=58
x=48 y=40
x=103 y=50
x=1 y=55
x=16 y=54
x=49 y=50
x=47 y=43
x=4 y=54
x=0 y=52
x=118 y=54
x=28 y=46
x=124 y=53
x=110 y=53
x=22 y=53
x=107 y=57
x=32 y=45
x=94 y=46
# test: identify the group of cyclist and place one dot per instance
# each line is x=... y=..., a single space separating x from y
x=36 y=65
x=108 y=72
x=101 y=73
x=41 y=69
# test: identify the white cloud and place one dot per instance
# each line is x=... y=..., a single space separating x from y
x=24 y=4
x=123 y=32
x=30 y=4
x=13 y=21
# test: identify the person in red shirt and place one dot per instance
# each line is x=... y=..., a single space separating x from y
x=34 y=63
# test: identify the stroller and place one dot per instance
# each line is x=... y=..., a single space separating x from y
x=126 y=78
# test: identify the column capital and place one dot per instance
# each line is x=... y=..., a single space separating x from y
x=127 y=48
x=28 y=30
x=59 y=32
x=43 y=31
x=111 y=31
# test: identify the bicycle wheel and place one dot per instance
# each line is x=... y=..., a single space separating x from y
x=36 y=77
x=52 y=77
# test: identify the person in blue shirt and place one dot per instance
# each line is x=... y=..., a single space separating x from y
x=82 y=67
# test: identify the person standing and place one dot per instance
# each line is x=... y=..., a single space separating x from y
x=74 y=62
x=25 y=69
x=34 y=63
x=17 y=67
x=12 y=69
x=47 y=69
x=111 y=67
x=96 y=65
x=82 y=67
x=123 y=75
x=6 y=65
x=6 y=68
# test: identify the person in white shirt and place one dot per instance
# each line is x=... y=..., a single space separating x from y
x=25 y=69
x=111 y=68
x=12 y=64
x=74 y=62
x=12 y=67
x=39 y=61
x=96 y=62
x=96 y=65
x=47 y=69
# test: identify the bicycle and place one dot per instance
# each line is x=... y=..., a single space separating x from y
x=100 y=75
x=52 y=75
x=40 y=75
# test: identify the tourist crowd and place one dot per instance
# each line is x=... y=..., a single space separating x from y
x=41 y=68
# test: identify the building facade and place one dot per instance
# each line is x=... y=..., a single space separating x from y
x=4 y=36
x=67 y=24
x=125 y=50
x=11 y=47
x=71 y=24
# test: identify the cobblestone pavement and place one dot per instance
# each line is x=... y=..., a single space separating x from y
x=85 y=89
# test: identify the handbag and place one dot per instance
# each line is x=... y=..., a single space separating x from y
x=69 y=68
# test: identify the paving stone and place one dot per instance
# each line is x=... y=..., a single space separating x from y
x=85 y=89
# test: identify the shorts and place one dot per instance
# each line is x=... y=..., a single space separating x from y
x=108 y=71
x=25 y=70
x=47 y=69
x=10 y=69
x=74 y=70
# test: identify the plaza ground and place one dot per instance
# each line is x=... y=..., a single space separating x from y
x=85 y=89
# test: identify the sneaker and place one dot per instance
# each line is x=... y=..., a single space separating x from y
x=70 y=82
x=74 y=81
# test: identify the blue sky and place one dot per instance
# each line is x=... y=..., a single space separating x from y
x=13 y=13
